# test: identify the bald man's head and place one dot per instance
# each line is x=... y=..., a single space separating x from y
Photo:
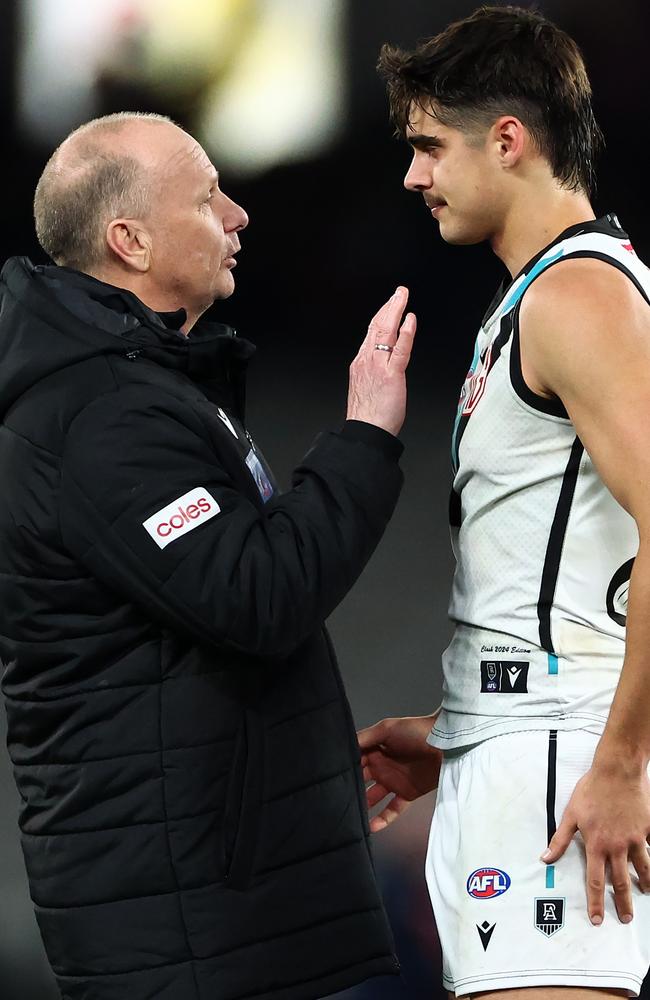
x=135 y=201
x=99 y=173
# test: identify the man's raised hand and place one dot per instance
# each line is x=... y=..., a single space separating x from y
x=377 y=393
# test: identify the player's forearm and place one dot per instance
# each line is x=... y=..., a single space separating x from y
x=626 y=740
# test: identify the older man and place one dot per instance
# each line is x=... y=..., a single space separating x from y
x=192 y=810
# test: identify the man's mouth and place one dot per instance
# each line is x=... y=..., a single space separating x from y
x=435 y=205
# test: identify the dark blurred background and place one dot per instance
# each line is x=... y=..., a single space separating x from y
x=285 y=98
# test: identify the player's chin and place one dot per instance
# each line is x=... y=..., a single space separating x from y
x=461 y=232
x=461 y=237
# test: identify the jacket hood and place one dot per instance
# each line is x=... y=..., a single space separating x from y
x=53 y=317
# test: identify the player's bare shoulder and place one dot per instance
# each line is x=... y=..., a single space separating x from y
x=580 y=313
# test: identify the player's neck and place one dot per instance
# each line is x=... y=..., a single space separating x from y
x=532 y=223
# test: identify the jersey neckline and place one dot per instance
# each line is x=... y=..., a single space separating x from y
x=607 y=224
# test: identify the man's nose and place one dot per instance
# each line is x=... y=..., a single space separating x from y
x=419 y=175
x=235 y=217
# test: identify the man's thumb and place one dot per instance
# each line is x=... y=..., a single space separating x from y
x=371 y=736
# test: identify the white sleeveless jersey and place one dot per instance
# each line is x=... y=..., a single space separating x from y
x=544 y=552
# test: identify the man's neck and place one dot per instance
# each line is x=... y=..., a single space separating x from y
x=156 y=299
x=532 y=223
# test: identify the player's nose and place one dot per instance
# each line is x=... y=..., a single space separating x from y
x=418 y=176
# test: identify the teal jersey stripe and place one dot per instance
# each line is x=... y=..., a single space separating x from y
x=532 y=274
x=512 y=300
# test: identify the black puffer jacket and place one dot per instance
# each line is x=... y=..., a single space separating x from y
x=192 y=810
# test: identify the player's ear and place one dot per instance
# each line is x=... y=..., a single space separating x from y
x=509 y=136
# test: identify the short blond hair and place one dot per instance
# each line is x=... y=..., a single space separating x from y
x=76 y=197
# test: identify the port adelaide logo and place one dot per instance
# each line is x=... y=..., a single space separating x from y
x=487 y=883
x=549 y=915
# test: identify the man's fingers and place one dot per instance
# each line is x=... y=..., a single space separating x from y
x=402 y=349
x=375 y=794
x=641 y=861
x=384 y=325
x=387 y=320
x=560 y=841
x=389 y=814
x=622 y=886
x=372 y=736
x=378 y=322
x=595 y=886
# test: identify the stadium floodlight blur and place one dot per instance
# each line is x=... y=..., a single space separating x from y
x=260 y=82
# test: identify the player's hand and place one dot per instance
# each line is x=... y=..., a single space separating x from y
x=377 y=392
x=396 y=757
x=610 y=806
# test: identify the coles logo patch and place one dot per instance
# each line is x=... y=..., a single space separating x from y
x=486 y=883
x=180 y=516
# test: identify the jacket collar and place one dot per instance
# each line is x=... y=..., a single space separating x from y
x=55 y=317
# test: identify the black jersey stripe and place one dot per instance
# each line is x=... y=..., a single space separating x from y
x=455 y=509
x=555 y=543
x=497 y=299
x=544 y=404
x=551 y=783
x=577 y=254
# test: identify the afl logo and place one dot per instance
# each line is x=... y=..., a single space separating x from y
x=486 y=883
x=617 y=593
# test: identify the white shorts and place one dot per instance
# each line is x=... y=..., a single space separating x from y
x=504 y=918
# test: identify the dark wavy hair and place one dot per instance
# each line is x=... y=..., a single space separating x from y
x=502 y=60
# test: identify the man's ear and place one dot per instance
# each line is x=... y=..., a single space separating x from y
x=130 y=243
x=510 y=138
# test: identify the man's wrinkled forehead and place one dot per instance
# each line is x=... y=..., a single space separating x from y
x=189 y=155
x=201 y=158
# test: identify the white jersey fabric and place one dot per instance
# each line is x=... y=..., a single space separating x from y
x=544 y=552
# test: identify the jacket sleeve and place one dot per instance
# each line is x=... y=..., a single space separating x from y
x=151 y=511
